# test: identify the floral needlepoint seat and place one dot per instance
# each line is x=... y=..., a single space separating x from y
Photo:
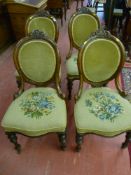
x=100 y=109
x=38 y=110
x=36 y=113
x=81 y=24
x=103 y=111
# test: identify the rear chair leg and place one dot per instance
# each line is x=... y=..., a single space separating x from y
x=18 y=81
x=70 y=83
x=13 y=138
x=77 y=2
x=79 y=141
x=82 y=3
x=62 y=140
x=127 y=140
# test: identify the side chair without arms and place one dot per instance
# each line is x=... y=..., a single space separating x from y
x=101 y=110
x=38 y=110
x=81 y=24
x=44 y=22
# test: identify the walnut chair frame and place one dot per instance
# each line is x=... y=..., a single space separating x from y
x=80 y=14
x=43 y=21
x=80 y=132
x=36 y=37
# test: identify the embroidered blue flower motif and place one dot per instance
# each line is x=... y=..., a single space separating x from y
x=37 y=103
x=104 y=106
x=88 y=103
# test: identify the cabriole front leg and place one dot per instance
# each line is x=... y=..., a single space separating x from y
x=62 y=140
x=79 y=141
x=13 y=138
x=70 y=83
x=127 y=140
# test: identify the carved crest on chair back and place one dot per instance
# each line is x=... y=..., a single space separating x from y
x=101 y=33
x=37 y=34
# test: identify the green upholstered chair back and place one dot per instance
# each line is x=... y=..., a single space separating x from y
x=37 y=59
x=81 y=25
x=101 y=58
x=44 y=22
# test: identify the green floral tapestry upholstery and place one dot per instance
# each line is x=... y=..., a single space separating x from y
x=102 y=111
x=43 y=24
x=83 y=25
x=71 y=64
x=37 y=104
x=101 y=59
x=37 y=60
x=37 y=111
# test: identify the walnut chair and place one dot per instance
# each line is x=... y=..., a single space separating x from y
x=99 y=109
x=44 y=22
x=81 y=24
x=41 y=109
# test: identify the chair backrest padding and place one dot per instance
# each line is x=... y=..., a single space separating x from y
x=82 y=26
x=101 y=59
x=37 y=60
x=43 y=24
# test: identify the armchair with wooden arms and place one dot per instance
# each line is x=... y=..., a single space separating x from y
x=99 y=109
x=81 y=24
x=41 y=109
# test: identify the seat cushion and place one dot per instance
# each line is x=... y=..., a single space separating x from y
x=71 y=64
x=37 y=111
x=102 y=111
